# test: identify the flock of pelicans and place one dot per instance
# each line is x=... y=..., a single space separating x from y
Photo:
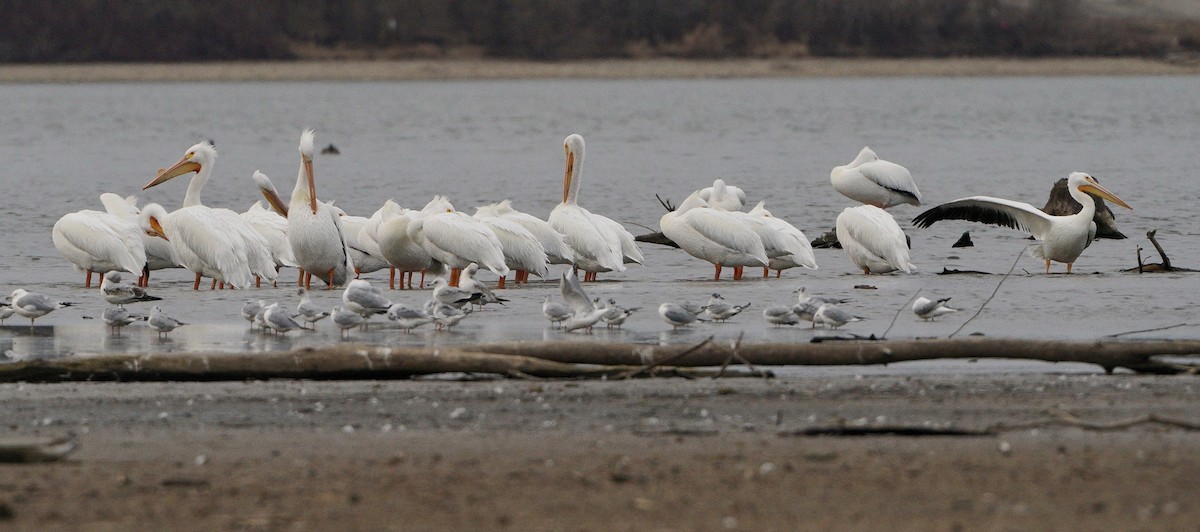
x=240 y=249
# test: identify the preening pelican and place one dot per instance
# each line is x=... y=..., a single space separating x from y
x=455 y=239
x=365 y=255
x=557 y=250
x=873 y=240
x=398 y=248
x=232 y=250
x=799 y=250
x=159 y=255
x=523 y=251
x=873 y=181
x=599 y=244
x=719 y=237
x=98 y=242
x=314 y=228
x=723 y=197
x=1063 y=238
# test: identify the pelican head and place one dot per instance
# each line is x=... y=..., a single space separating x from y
x=437 y=205
x=573 y=145
x=1081 y=182
x=196 y=158
x=267 y=188
x=306 y=160
x=151 y=220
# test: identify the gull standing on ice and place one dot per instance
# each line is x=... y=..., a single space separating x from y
x=930 y=310
x=676 y=316
x=719 y=310
x=117 y=317
x=346 y=319
x=279 y=320
x=359 y=296
x=408 y=318
x=555 y=311
x=833 y=316
x=33 y=305
x=119 y=293
x=162 y=322
x=309 y=311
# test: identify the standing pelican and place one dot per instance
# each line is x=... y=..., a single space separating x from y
x=719 y=237
x=455 y=239
x=523 y=251
x=159 y=255
x=723 y=197
x=99 y=242
x=873 y=181
x=873 y=240
x=599 y=244
x=402 y=252
x=314 y=228
x=271 y=223
x=799 y=250
x=557 y=250
x=1063 y=238
x=232 y=250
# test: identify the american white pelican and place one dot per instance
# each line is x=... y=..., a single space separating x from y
x=873 y=181
x=159 y=255
x=873 y=240
x=723 y=197
x=231 y=249
x=599 y=244
x=314 y=228
x=523 y=251
x=719 y=237
x=455 y=239
x=927 y=309
x=1063 y=238
x=33 y=305
x=97 y=242
x=1060 y=203
x=557 y=250
x=271 y=223
x=791 y=247
x=163 y=323
x=365 y=255
x=402 y=252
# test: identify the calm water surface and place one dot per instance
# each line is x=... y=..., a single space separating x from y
x=63 y=145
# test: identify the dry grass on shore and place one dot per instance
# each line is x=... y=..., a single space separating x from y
x=601 y=69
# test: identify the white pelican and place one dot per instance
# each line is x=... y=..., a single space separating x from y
x=927 y=309
x=234 y=251
x=159 y=255
x=787 y=247
x=719 y=237
x=314 y=228
x=271 y=223
x=1063 y=237
x=368 y=241
x=523 y=251
x=398 y=248
x=557 y=250
x=599 y=244
x=365 y=259
x=873 y=181
x=455 y=239
x=873 y=240
x=723 y=197
x=98 y=242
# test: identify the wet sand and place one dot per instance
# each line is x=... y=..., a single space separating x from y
x=360 y=70
x=632 y=455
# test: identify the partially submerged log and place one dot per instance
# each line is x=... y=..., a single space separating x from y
x=1164 y=266
x=564 y=359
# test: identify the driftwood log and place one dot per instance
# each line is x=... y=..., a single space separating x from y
x=583 y=359
x=1164 y=266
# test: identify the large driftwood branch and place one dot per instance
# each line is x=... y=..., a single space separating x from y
x=565 y=359
x=1164 y=266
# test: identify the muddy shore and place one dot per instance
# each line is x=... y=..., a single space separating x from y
x=664 y=454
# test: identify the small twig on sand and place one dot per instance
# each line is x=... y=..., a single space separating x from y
x=738 y=355
x=657 y=363
x=985 y=302
x=1145 y=330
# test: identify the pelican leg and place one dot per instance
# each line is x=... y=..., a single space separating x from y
x=717 y=276
x=1047 y=265
x=1069 y=265
x=300 y=281
x=454 y=274
x=87 y=283
x=737 y=273
x=144 y=280
x=307 y=284
x=330 y=285
x=766 y=272
x=257 y=281
x=196 y=285
x=500 y=283
x=392 y=279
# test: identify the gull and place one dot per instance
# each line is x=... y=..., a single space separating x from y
x=615 y=316
x=251 y=309
x=117 y=317
x=346 y=319
x=408 y=318
x=6 y=312
x=780 y=315
x=584 y=313
x=445 y=316
x=833 y=316
x=452 y=295
x=260 y=317
x=718 y=310
x=359 y=296
x=695 y=308
x=803 y=297
x=162 y=322
x=676 y=316
x=930 y=310
x=807 y=311
x=308 y=310
x=33 y=305
x=278 y=319
x=482 y=294
x=119 y=293
x=554 y=311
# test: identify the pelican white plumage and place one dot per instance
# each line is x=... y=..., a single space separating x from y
x=799 y=250
x=455 y=239
x=234 y=252
x=873 y=181
x=159 y=255
x=723 y=197
x=873 y=240
x=271 y=223
x=365 y=255
x=1063 y=238
x=599 y=244
x=314 y=228
x=719 y=237
x=523 y=251
x=557 y=250
x=400 y=250
x=99 y=242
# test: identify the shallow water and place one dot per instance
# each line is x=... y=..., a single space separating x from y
x=62 y=145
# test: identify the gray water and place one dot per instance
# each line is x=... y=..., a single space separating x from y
x=63 y=145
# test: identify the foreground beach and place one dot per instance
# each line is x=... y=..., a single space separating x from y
x=663 y=454
x=360 y=70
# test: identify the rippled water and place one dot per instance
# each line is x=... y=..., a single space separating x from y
x=62 y=145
